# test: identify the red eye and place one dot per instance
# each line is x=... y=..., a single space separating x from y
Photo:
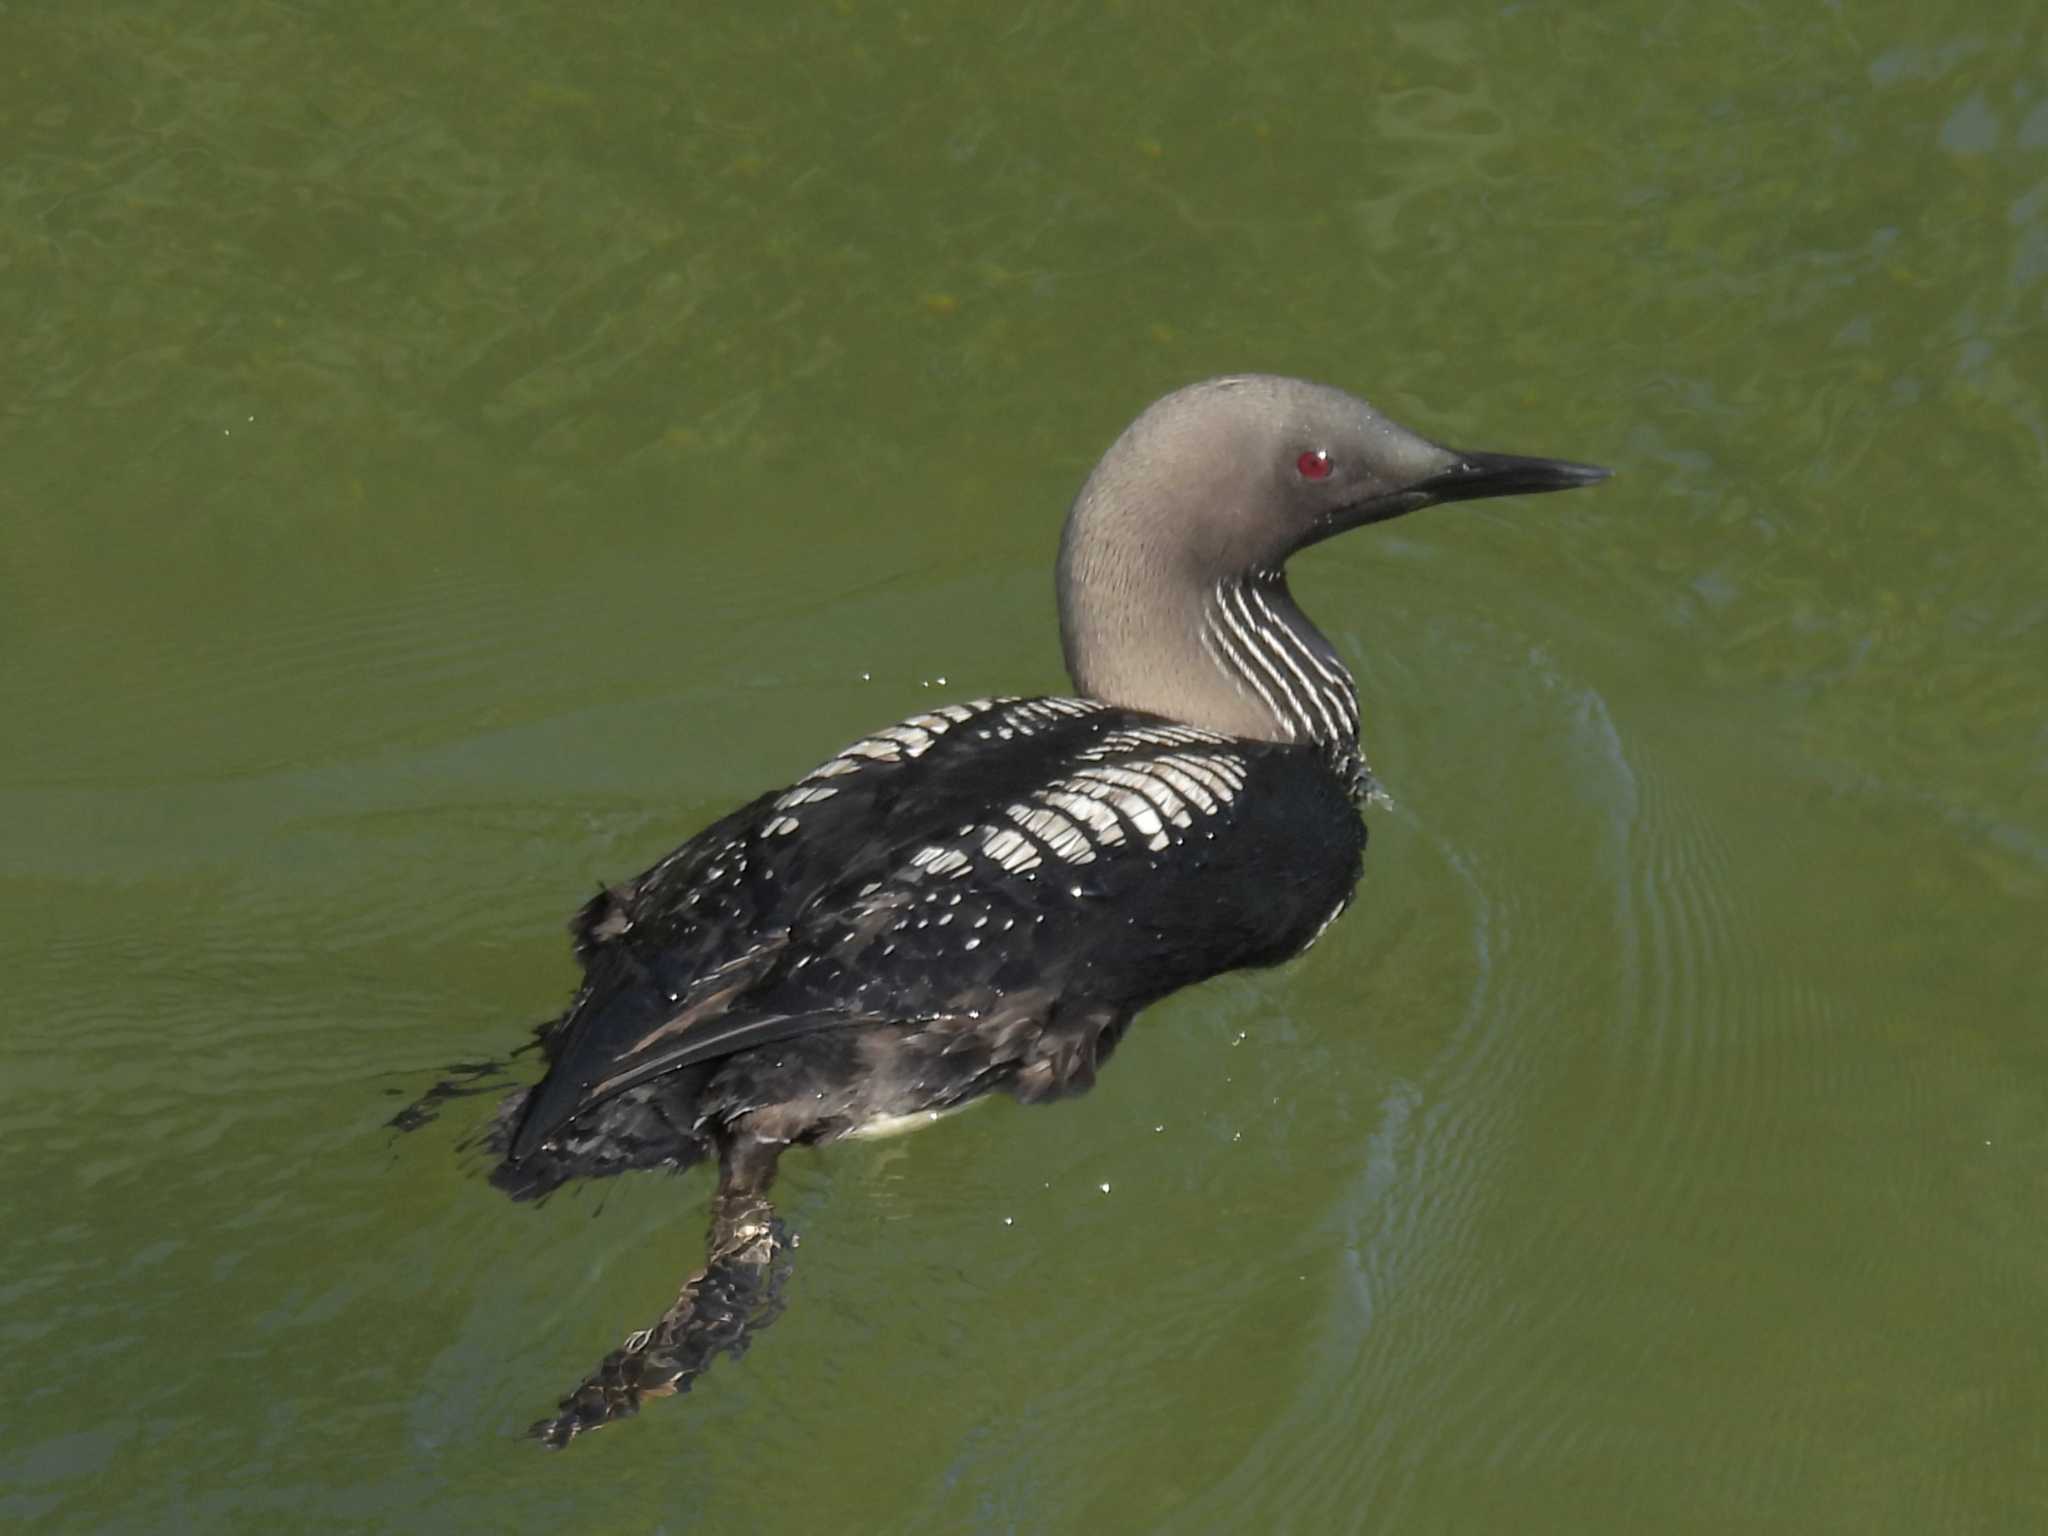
x=1313 y=465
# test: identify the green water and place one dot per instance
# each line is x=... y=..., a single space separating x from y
x=447 y=454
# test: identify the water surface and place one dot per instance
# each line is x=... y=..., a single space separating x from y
x=449 y=459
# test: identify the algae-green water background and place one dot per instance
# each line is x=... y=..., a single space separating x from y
x=449 y=453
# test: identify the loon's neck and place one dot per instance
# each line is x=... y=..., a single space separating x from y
x=1235 y=656
x=1255 y=635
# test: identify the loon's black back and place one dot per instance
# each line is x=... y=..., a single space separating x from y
x=1002 y=883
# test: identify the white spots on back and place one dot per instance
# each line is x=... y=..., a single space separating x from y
x=1186 y=784
x=1221 y=773
x=1064 y=706
x=1124 y=789
x=915 y=740
x=934 y=859
x=1027 y=717
x=1145 y=784
x=1011 y=849
x=1133 y=785
x=805 y=794
x=1062 y=836
x=1146 y=738
x=1104 y=829
x=1002 y=719
x=876 y=749
x=1120 y=790
x=1138 y=799
x=905 y=741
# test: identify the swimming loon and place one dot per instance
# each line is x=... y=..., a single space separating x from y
x=982 y=896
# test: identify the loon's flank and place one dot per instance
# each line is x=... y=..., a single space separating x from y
x=982 y=897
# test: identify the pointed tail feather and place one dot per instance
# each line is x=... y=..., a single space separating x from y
x=654 y=1126
x=464 y=1079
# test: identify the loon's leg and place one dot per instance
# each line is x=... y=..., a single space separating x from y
x=735 y=1294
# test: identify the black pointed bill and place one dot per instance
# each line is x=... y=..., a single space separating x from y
x=1505 y=474
x=1469 y=477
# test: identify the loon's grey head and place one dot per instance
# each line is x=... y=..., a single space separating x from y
x=1171 y=592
